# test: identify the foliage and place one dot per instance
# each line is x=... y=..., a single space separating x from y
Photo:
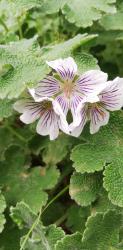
x=67 y=193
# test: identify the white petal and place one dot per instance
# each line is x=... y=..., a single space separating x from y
x=75 y=102
x=20 y=105
x=49 y=86
x=99 y=117
x=76 y=131
x=63 y=125
x=66 y=68
x=35 y=97
x=28 y=117
x=32 y=92
x=54 y=129
x=112 y=95
x=48 y=125
x=92 y=98
x=62 y=104
x=92 y=81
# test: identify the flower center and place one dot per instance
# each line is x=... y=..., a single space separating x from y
x=47 y=105
x=68 y=88
x=97 y=107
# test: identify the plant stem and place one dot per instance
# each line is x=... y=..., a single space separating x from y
x=40 y=213
x=56 y=197
x=31 y=229
x=62 y=219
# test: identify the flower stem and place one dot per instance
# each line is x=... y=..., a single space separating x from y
x=40 y=213
x=62 y=219
x=56 y=197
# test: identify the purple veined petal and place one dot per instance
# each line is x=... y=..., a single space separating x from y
x=63 y=124
x=76 y=131
x=54 y=128
x=49 y=86
x=63 y=103
x=48 y=124
x=92 y=81
x=76 y=104
x=30 y=115
x=112 y=96
x=66 y=68
x=30 y=109
x=98 y=117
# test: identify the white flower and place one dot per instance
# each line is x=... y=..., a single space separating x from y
x=68 y=88
x=46 y=110
x=97 y=107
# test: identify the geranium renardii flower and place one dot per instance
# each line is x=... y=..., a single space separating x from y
x=46 y=110
x=97 y=108
x=69 y=88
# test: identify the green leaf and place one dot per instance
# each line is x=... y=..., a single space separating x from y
x=2 y=208
x=10 y=237
x=84 y=13
x=70 y=242
x=6 y=108
x=77 y=217
x=113 y=182
x=100 y=148
x=84 y=188
x=102 y=204
x=80 y=12
x=21 y=184
x=52 y=6
x=85 y=62
x=28 y=62
x=90 y=158
x=113 y=22
x=6 y=140
x=102 y=231
x=23 y=5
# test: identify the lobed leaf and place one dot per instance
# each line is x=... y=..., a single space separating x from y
x=15 y=178
x=80 y=12
x=98 y=235
x=100 y=148
x=70 y=242
x=77 y=217
x=84 y=188
x=113 y=182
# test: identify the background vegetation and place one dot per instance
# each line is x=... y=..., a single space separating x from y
x=68 y=193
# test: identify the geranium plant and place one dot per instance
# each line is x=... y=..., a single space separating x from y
x=61 y=125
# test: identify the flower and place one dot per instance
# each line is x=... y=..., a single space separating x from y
x=69 y=88
x=97 y=108
x=46 y=110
